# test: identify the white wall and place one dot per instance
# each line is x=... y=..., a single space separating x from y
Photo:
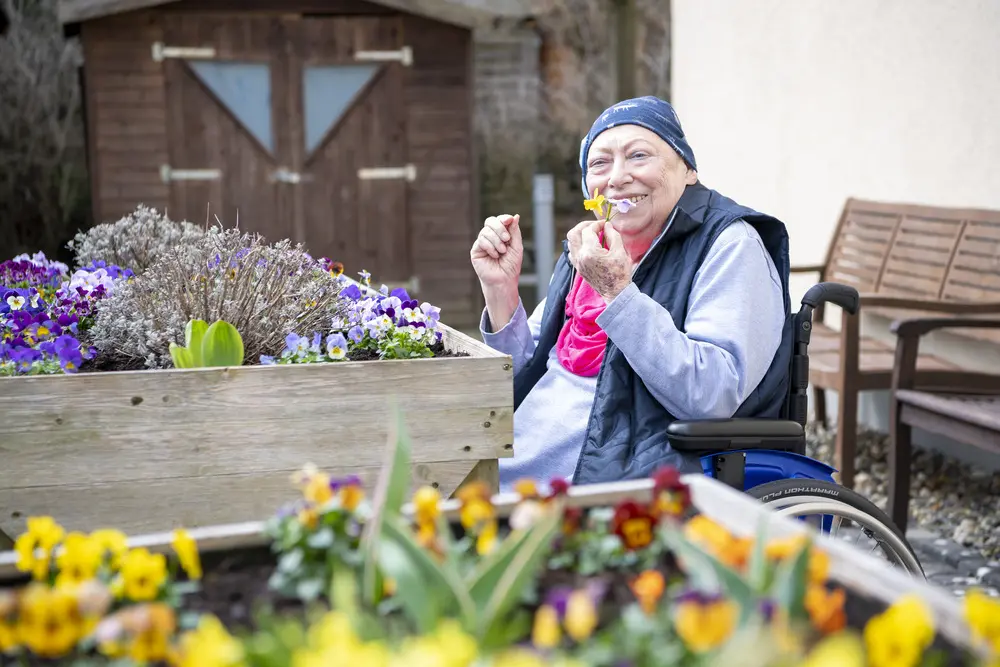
x=791 y=106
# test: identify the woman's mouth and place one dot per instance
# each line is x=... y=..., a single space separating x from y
x=636 y=199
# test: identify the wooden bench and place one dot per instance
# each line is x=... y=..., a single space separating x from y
x=906 y=261
x=965 y=408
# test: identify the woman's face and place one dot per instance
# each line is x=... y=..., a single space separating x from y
x=631 y=162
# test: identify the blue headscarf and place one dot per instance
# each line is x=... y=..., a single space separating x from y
x=650 y=112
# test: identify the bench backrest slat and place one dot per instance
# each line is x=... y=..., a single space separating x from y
x=917 y=251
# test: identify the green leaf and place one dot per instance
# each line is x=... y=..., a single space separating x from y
x=390 y=492
x=181 y=356
x=426 y=589
x=757 y=568
x=309 y=589
x=789 y=587
x=530 y=556
x=222 y=345
x=482 y=582
x=321 y=539
x=194 y=334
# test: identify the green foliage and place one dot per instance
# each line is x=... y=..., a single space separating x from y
x=208 y=346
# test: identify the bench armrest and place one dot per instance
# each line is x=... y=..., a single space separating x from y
x=933 y=305
x=908 y=333
x=808 y=268
x=710 y=435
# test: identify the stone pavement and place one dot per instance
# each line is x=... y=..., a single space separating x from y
x=946 y=563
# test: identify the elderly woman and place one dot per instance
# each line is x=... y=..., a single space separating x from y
x=675 y=309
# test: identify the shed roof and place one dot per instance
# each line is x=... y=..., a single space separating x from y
x=468 y=13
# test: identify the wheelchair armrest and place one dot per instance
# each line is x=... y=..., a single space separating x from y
x=718 y=435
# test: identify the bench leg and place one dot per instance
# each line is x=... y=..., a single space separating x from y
x=900 y=458
x=819 y=405
x=847 y=435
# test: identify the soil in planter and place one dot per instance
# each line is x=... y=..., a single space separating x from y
x=103 y=363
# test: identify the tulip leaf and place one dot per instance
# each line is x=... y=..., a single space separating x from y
x=529 y=556
x=222 y=345
x=390 y=492
x=426 y=589
x=790 y=579
x=194 y=334
x=483 y=581
x=181 y=356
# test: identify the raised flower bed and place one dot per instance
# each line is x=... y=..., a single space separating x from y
x=100 y=428
x=667 y=571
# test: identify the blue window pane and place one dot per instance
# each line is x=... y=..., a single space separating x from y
x=245 y=89
x=328 y=91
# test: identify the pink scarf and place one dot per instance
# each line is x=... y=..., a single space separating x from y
x=581 y=342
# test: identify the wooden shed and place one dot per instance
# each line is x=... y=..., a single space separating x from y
x=342 y=124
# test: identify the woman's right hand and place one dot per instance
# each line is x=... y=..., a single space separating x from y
x=498 y=251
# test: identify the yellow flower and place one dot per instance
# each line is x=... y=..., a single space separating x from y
x=79 y=560
x=581 y=615
x=716 y=540
x=8 y=620
x=825 y=608
x=152 y=634
x=143 y=574
x=334 y=630
x=478 y=515
x=983 y=616
x=843 y=649
x=317 y=490
x=898 y=636
x=705 y=623
x=648 y=589
x=545 y=632
x=209 y=645
x=526 y=488
x=43 y=535
x=113 y=543
x=351 y=494
x=187 y=553
x=49 y=622
x=309 y=517
x=595 y=204
x=425 y=514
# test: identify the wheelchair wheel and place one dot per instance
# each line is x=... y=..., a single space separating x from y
x=837 y=505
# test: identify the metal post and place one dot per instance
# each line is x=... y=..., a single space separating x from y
x=543 y=197
x=625 y=60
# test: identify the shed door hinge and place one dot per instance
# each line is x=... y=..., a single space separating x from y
x=167 y=174
x=409 y=172
x=403 y=55
x=161 y=52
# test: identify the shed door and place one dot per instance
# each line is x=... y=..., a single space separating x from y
x=352 y=143
x=228 y=122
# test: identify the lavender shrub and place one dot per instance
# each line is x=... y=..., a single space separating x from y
x=265 y=290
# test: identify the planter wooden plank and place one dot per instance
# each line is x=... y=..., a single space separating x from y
x=218 y=444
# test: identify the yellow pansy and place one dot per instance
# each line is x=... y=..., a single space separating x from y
x=49 y=622
x=143 y=573
x=982 y=613
x=113 y=544
x=818 y=566
x=581 y=615
x=545 y=632
x=209 y=645
x=648 y=588
x=704 y=623
x=844 y=649
x=425 y=514
x=478 y=515
x=187 y=553
x=79 y=560
x=825 y=608
x=899 y=636
x=34 y=547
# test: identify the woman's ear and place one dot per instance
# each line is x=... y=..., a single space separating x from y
x=692 y=177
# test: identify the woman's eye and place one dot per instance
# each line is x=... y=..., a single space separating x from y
x=638 y=154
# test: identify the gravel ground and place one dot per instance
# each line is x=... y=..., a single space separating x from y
x=947 y=497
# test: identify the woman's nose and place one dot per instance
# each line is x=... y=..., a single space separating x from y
x=619 y=175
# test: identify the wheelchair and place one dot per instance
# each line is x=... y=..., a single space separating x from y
x=766 y=458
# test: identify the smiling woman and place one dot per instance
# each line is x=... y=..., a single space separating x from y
x=671 y=306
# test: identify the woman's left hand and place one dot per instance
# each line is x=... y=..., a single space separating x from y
x=607 y=270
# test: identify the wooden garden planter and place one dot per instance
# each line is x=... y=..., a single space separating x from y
x=862 y=575
x=145 y=451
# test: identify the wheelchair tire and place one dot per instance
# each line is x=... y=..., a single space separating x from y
x=810 y=490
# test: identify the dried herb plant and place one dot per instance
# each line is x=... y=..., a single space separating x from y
x=135 y=241
x=265 y=290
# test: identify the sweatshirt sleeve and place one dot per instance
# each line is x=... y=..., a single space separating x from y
x=518 y=337
x=732 y=330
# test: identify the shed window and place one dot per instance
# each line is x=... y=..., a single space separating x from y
x=329 y=91
x=245 y=90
